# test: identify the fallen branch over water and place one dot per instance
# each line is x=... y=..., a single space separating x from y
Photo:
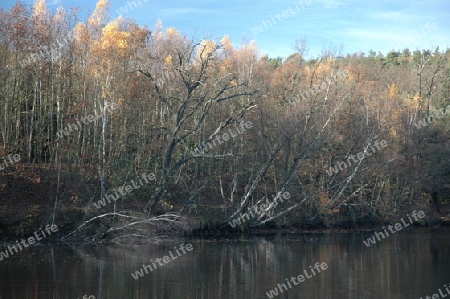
x=163 y=222
x=94 y=218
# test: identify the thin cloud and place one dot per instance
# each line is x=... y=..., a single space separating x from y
x=330 y=4
x=397 y=17
x=186 y=10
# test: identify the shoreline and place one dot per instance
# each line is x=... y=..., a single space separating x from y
x=235 y=234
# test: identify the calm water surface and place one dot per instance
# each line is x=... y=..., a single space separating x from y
x=409 y=264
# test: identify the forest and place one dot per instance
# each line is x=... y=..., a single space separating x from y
x=116 y=131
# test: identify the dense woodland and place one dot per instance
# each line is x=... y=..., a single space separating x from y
x=61 y=76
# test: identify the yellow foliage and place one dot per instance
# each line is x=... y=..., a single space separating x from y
x=393 y=91
x=60 y=15
x=40 y=8
x=227 y=43
x=417 y=99
x=249 y=53
x=100 y=13
x=351 y=76
x=113 y=37
x=331 y=61
x=172 y=31
x=206 y=48
x=393 y=133
x=166 y=205
x=41 y=19
x=81 y=33
x=168 y=59
x=323 y=69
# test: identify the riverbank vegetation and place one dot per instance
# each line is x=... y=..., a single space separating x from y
x=316 y=126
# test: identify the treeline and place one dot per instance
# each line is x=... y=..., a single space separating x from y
x=61 y=77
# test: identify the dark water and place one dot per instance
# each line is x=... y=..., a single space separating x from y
x=409 y=264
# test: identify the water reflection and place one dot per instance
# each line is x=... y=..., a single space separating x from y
x=409 y=264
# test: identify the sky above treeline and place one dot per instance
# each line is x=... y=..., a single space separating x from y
x=342 y=26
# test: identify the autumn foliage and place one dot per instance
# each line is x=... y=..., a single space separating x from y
x=174 y=93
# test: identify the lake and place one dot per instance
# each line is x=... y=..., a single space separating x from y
x=409 y=264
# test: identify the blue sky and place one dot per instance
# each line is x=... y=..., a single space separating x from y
x=344 y=26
